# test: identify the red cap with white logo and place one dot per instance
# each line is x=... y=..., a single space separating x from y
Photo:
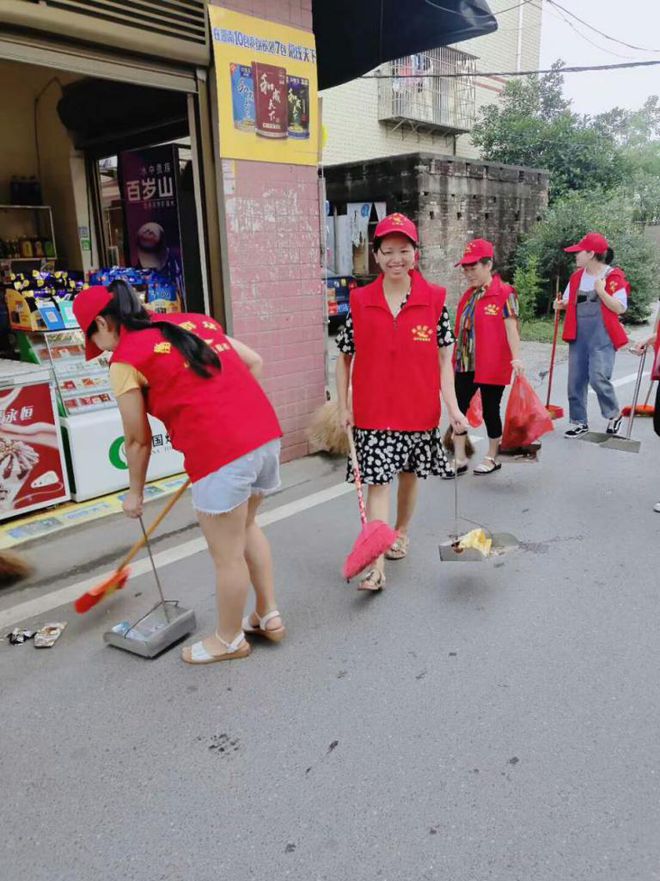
x=593 y=241
x=477 y=249
x=397 y=224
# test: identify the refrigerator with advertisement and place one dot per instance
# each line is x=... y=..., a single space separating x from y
x=33 y=471
x=89 y=416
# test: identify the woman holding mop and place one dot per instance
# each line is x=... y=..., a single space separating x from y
x=397 y=341
x=202 y=385
x=487 y=348
x=594 y=300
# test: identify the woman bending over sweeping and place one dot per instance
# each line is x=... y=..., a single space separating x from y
x=202 y=385
x=397 y=339
x=595 y=297
x=487 y=348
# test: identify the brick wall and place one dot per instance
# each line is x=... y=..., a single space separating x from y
x=452 y=200
x=275 y=294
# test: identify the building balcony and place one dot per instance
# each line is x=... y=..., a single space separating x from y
x=416 y=92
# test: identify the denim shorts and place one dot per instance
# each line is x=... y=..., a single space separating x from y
x=256 y=473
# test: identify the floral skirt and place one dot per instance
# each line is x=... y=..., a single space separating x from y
x=384 y=454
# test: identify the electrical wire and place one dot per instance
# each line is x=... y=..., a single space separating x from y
x=567 y=69
x=602 y=33
x=582 y=35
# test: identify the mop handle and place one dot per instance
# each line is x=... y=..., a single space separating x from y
x=357 y=475
x=638 y=385
x=140 y=543
x=552 y=355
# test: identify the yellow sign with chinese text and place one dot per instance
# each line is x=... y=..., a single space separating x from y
x=266 y=87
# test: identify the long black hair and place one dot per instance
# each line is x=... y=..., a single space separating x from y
x=126 y=310
x=605 y=256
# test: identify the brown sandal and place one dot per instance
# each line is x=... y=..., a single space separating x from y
x=373 y=581
x=274 y=634
x=399 y=549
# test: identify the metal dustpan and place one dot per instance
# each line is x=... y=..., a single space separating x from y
x=450 y=552
x=594 y=437
x=159 y=629
x=627 y=444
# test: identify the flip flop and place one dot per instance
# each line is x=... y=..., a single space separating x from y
x=399 y=549
x=374 y=577
x=482 y=469
x=275 y=634
x=196 y=654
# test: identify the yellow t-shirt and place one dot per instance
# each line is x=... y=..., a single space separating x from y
x=124 y=378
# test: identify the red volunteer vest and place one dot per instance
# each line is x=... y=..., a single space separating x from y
x=615 y=280
x=211 y=421
x=396 y=368
x=655 y=370
x=492 y=354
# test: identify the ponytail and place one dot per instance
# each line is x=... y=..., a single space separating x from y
x=127 y=311
x=605 y=256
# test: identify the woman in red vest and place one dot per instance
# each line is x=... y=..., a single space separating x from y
x=202 y=385
x=397 y=339
x=487 y=347
x=596 y=295
x=654 y=342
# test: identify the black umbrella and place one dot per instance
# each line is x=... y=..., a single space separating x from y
x=354 y=36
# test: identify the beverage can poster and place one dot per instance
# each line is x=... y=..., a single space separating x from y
x=267 y=90
x=32 y=471
x=149 y=190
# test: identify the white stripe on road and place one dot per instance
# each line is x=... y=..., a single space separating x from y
x=39 y=606
x=624 y=380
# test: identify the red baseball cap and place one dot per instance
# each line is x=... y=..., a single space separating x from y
x=399 y=224
x=593 y=241
x=477 y=249
x=86 y=306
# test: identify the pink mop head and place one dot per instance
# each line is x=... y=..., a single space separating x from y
x=375 y=538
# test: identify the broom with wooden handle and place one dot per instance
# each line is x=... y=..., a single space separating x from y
x=375 y=538
x=120 y=576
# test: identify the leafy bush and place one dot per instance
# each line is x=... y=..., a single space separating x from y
x=529 y=286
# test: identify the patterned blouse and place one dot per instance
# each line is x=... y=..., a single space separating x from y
x=464 y=355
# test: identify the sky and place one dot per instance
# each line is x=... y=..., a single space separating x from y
x=634 y=21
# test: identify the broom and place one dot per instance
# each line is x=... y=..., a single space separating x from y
x=119 y=577
x=554 y=410
x=644 y=409
x=13 y=568
x=376 y=536
x=448 y=443
x=325 y=432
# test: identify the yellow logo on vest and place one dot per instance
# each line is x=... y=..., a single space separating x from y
x=492 y=309
x=422 y=333
x=188 y=325
x=612 y=286
x=163 y=348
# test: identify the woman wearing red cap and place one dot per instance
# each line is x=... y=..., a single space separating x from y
x=202 y=385
x=653 y=342
x=397 y=339
x=595 y=297
x=487 y=347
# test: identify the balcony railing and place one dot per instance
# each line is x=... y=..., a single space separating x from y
x=414 y=91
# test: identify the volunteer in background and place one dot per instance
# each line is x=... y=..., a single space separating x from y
x=202 y=385
x=397 y=340
x=654 y=341
x=595 y=297
x=487 y=348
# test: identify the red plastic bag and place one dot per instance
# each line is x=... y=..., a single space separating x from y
x=475 y=413
x=526 y=418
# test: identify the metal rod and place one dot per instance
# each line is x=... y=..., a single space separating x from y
x=153 y=566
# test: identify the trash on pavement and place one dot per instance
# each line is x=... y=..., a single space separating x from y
x=48 y=635
x=18 y=636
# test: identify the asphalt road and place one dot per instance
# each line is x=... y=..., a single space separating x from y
x=474 y=722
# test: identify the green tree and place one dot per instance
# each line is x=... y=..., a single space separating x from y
x=529 y=286
x=533 y=125
x=568 y=220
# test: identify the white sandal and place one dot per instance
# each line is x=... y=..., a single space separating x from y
x=275 y=634
x=198 y=654
x=484 y=469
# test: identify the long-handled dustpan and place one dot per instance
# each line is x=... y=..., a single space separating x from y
x=555 y=411
x=496 y=542
x=627 y=444
x=159 y=629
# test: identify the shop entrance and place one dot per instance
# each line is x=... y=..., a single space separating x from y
x=81 y=161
